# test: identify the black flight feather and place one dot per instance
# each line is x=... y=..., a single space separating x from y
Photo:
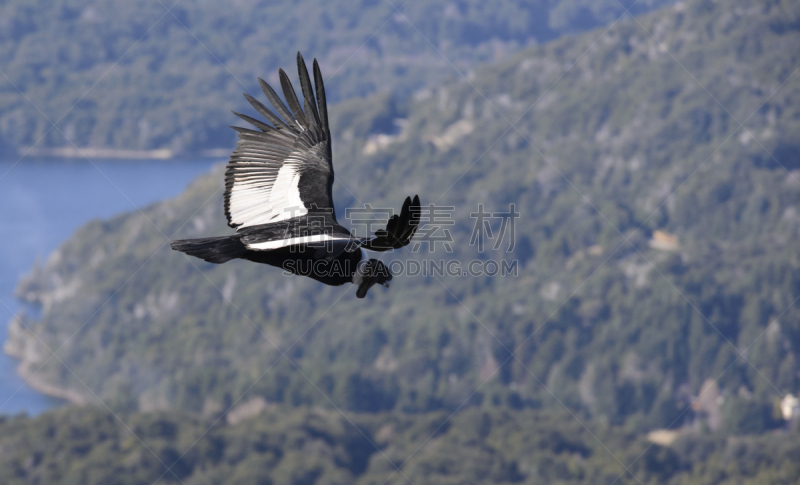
x=400 y=228
x=276 y=103
x=266 y=112
x=258 y=124
x=308 y=94
x=321 y=102
x=247 y=131
x=248 y=134
x=291 y=99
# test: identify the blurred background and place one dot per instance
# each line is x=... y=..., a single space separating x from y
x=651 y=333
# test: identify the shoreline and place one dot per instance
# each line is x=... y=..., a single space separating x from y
x=23 y=347
x=35 y=382
x=26 y=353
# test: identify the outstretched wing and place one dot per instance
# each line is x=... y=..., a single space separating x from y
x=399 y=229
x=284 y=169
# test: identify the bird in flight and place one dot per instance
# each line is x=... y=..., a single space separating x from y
x=278 y=197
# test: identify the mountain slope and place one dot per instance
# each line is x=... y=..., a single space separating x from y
x=163 y=75
x=655 y=245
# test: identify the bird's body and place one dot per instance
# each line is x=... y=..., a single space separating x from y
x=278 y=197
x=341 y=269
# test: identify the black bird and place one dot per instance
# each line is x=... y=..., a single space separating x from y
x=278 y=197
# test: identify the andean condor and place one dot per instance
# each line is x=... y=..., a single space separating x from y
x=278 y=197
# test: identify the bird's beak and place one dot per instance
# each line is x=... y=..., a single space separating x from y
x=385 y=284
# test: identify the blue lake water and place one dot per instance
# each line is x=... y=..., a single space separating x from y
x=42 y=202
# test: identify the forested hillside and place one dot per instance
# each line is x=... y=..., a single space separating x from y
x=164 y=74
x=591 y=168
x=658 y=182
x=287 y=445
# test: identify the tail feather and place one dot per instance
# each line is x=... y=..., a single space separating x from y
x=212 y=249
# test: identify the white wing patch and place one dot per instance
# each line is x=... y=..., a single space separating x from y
x=280 y=243
x=267 y=196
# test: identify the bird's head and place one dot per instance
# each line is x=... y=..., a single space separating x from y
x=373 y=271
